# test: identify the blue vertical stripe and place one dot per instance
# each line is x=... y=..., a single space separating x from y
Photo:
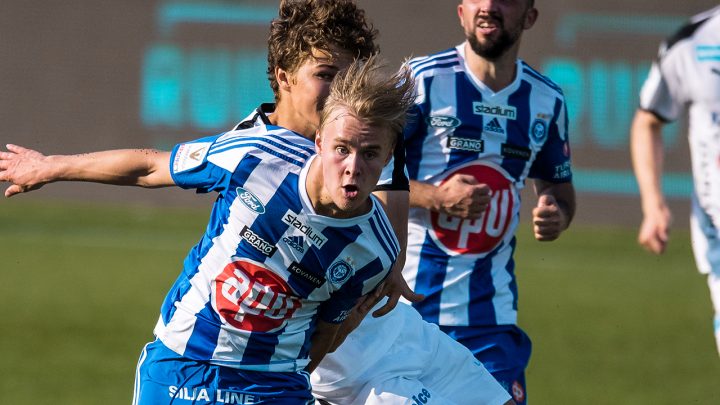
x=431 y=272
x=518 y=129
x=472 y=126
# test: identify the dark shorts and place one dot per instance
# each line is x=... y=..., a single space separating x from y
x=503 y=350
x=164 y=377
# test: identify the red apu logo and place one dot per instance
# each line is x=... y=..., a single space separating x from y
x=485 y=233
x=250 y=297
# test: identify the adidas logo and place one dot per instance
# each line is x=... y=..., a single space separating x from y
x=295 y=242
x=494 y=126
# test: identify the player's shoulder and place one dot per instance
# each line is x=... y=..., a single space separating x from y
x=444 y=62
x=266 y=142
x=539 y=82
x=696 y=28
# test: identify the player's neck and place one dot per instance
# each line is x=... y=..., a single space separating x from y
x=495 y=74
x=286 y=117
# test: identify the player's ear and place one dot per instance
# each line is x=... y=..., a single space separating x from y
x=318 y=142
x=530 y=17
x=283 y=78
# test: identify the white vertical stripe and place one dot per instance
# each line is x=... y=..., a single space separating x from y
x=503 y=298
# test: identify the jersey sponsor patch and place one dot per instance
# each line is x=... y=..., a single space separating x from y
x=478 y=236
x=517 y=152
x=313 y=236
x=300 y=271
x=265 y=247
x=468 y=144
x=501 y=111
x=251 y=297
x=190 y=156
x=442 y=121
x=250 y=200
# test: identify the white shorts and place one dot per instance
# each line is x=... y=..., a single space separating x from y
x=705 y=240
x=421 y=365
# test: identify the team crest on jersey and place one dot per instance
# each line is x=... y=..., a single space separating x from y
x=468 y=144
x=249 y=296
x=493 y=110
x=442 y=121
x=538 y=131
x=494 y=126
x=478 y=236
x=250 y=200
x=339 y=272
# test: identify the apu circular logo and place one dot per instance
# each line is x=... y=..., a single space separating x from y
x=339 y=272
x=482 y=235
x=250 y=297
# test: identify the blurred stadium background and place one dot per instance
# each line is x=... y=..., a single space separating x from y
x=85 y=266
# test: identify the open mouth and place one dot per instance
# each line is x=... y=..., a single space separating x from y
x=351 y=191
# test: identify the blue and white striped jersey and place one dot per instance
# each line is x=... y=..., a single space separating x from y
x=465 y=267
x=268 y=267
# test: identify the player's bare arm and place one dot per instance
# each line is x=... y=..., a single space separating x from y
x=646 y=148
x=460 y=196
x=321 y=342
x=28 y=169
x=554 y=210
x=396 y=204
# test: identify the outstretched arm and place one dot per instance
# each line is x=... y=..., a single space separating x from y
x=28 y=170
x=646 y=148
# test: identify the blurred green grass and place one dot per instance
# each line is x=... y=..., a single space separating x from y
x=81 y=286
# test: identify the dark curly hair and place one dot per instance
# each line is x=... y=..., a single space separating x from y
x=304 y=25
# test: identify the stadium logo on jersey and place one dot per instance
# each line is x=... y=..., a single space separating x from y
x=478 y=236
x=517 y=152
x=298 y=270
x=538 y=131
x=251 y=297
x=500 y=111
x=313 y=236
x=340 y=271
x=265 y=247
x=250 y=200
x=443 y=121
x=295 y=242
x=189 y=156
x=472 y=145
x=494 y=126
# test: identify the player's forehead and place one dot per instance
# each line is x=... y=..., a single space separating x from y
x=333 y=57
x=346 y=128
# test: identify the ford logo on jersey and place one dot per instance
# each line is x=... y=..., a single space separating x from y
x=250 y=200
x=443 y=121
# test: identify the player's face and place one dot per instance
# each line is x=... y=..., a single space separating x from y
x=309 y=87
x=492 y=27
x=353 y=155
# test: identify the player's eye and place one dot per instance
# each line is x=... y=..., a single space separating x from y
x=341 y=150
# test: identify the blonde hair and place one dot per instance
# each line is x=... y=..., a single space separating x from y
x=366 y=92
